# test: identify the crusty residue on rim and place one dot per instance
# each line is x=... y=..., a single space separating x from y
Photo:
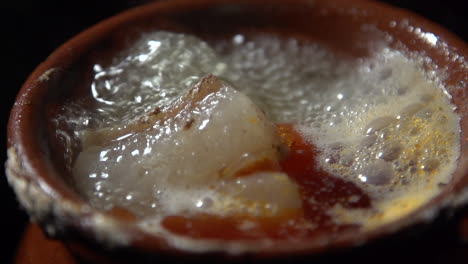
x=55 y=214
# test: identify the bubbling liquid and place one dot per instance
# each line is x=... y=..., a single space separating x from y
x=382 y=123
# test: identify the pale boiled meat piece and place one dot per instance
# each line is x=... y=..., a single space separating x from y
x=182 y=154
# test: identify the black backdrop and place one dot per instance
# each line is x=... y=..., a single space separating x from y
x=32 y=29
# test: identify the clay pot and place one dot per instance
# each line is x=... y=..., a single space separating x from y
x=351 y=28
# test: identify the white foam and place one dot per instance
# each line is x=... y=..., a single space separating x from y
x=385 y=122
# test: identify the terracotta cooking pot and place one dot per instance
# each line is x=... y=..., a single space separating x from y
x=351 y=28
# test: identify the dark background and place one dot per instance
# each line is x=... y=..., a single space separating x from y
x=32 y=29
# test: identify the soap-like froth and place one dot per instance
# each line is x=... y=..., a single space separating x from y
x=153 y=72
x=383 y=122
